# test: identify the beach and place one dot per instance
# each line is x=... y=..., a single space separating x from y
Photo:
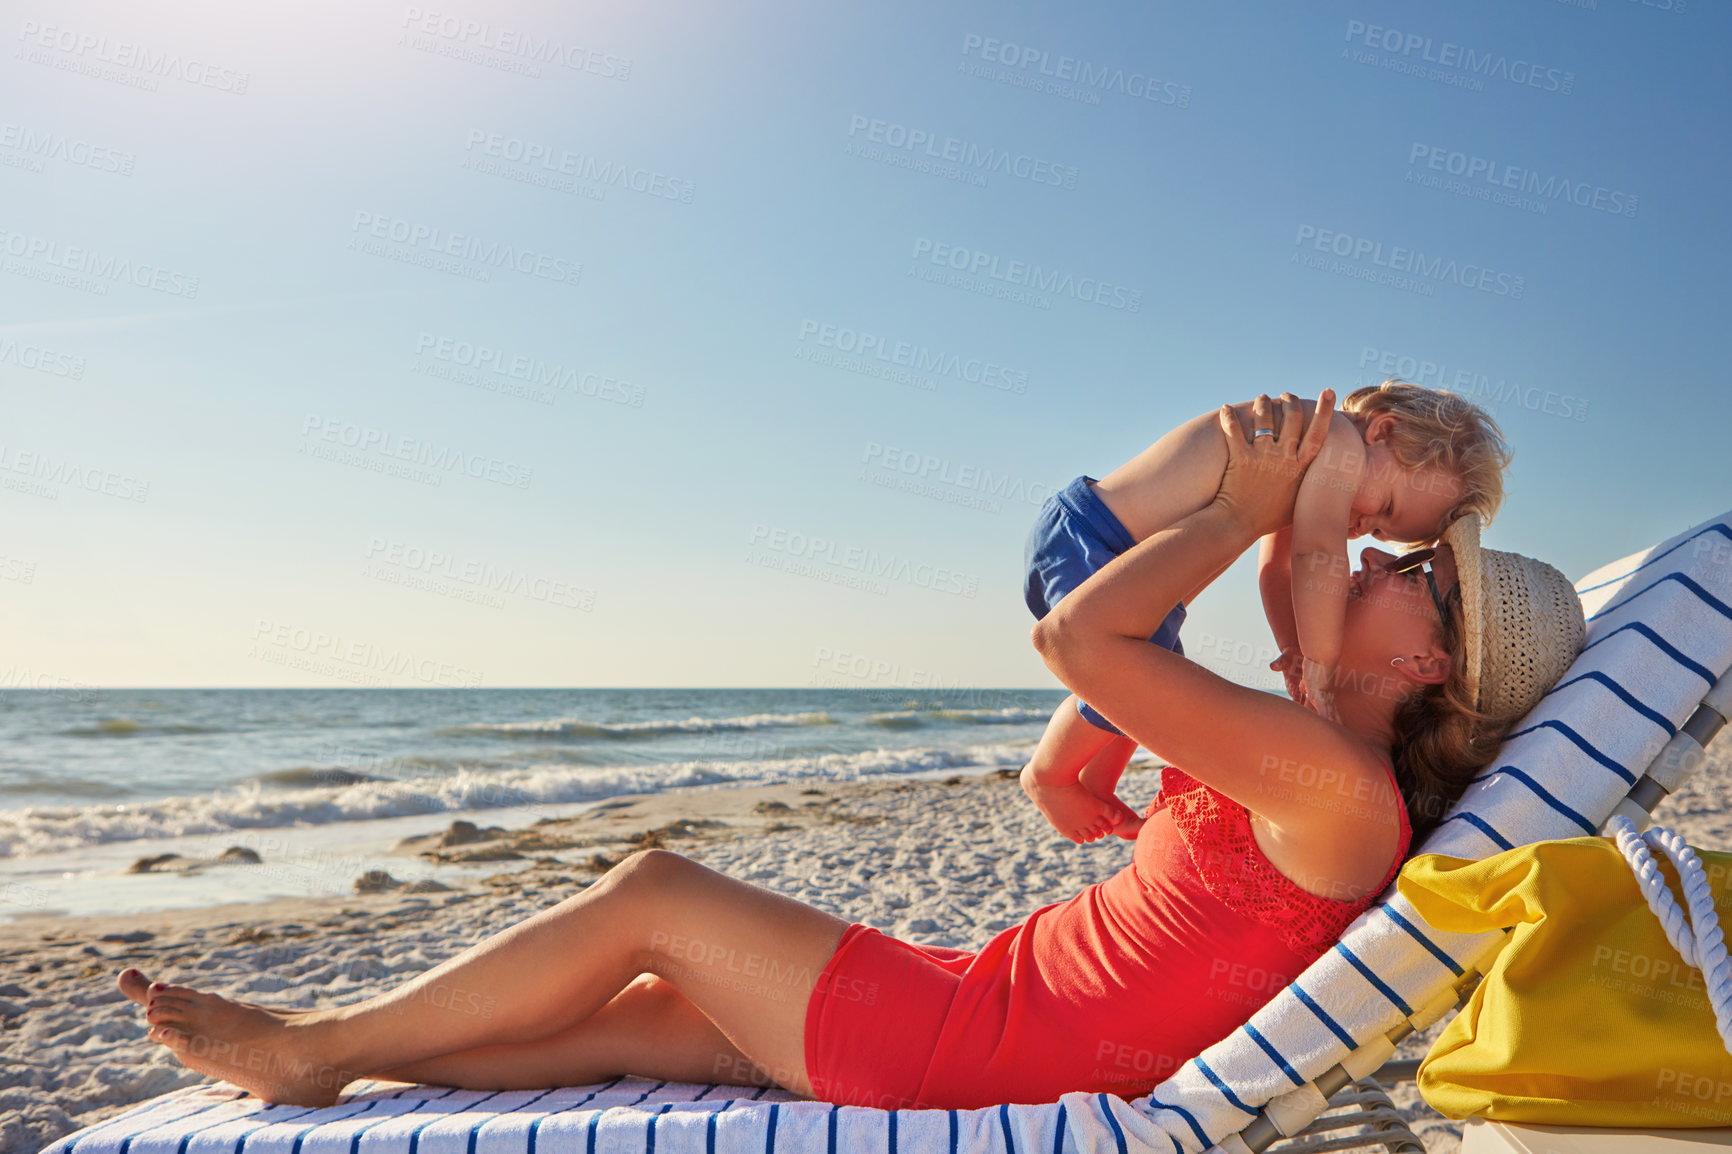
x=943 y=861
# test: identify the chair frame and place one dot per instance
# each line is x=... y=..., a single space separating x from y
x=1681 y=756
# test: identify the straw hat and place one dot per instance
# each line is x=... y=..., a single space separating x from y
x=1523 y=623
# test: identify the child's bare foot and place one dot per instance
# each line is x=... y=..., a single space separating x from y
x=269 y=1053
x=1075 y=812
x=1130 y=824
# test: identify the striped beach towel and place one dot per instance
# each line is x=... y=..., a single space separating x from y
x=1659 y=635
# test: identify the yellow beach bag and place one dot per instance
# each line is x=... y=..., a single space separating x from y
x=1590 y=1014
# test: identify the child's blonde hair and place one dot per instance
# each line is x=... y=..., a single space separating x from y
x=1435 y=427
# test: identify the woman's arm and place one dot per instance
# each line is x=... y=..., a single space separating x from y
x=1275 y=758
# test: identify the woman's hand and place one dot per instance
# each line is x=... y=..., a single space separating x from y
x=1262 y=477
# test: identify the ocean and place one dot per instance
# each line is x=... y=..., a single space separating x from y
x=316 y=780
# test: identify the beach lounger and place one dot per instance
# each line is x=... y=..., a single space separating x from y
x=1622 y=728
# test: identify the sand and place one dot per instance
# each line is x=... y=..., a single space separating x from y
x=938 y=861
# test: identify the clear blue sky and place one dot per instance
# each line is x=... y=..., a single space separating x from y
x=673 y=213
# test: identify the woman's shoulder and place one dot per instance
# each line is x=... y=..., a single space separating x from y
x=1355 y=833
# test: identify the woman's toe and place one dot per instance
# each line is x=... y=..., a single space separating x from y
x=167 y=1010
x=135 y=985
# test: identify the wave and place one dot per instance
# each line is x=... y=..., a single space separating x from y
x=304 y=775
x=378 y=769
x=127 y=727
x=73 y=786
x=567 y=727
x=912 y=718
x=40 y=830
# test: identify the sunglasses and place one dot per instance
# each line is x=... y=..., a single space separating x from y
x=1419 y=559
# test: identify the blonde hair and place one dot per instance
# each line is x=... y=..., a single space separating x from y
x=1438 y=428
x=1440 y=738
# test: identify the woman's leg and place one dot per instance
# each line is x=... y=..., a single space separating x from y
x=649 y=1029
x=745 y=957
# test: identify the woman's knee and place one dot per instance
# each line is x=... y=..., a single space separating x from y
x=653 y=867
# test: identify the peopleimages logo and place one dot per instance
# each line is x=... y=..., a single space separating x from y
x=966 y=153
x=1499 y=176
x=40 y=145
x=103 y=266
x=1406 y=261
x=432 y=242
x=1137 y=85
x=1480 y=388
x=509 y=41
x=560 y=161
x=86 y=47
x=865 y=564
x=1022 y=274
x=919 y=358
x=1413 y=48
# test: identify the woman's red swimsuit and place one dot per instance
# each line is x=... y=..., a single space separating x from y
x=1110 y=991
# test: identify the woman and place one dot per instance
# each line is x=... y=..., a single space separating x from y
x=1242 y=873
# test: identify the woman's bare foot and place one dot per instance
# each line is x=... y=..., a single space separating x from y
x=269 y=1053
x=1075 y=812
x=138 y=989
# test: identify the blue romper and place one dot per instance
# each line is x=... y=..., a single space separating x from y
x=1074 y=537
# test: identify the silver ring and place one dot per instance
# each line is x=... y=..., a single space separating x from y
x=1255 y=433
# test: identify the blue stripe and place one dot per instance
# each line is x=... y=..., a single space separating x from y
x=1004 y=1125
x=415 y=1134
x=365 y=1106
x=770 y=1135
x=1057 y=1137
x=593 y=1094
x=646 y=1093
x=1715 y=528
x=1415 y=933
x=1580 y=743
x=475 y=1131
x=710 y=1132
x=1202 y=1135
x=1479 y=823
x=1543 y=794
x=1712 y=601
x=649 y=1136
x=1625 y=695
x=1662 y=645
x=594 y=1125
x=355 y=1140
x=1118 y=1131
x=832 y=1124
x=1226 y=1093
x=76 y=1139
x=1334 y=1027
x=1390 y=995
x=1279 y=1059
x=893 y=1116
x=953 y=1132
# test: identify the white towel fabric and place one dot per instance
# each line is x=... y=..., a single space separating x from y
x=1659 y=635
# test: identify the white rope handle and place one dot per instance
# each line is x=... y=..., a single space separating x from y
x=1697 y=939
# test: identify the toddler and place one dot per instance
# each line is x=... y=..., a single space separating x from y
x=1400 y=463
